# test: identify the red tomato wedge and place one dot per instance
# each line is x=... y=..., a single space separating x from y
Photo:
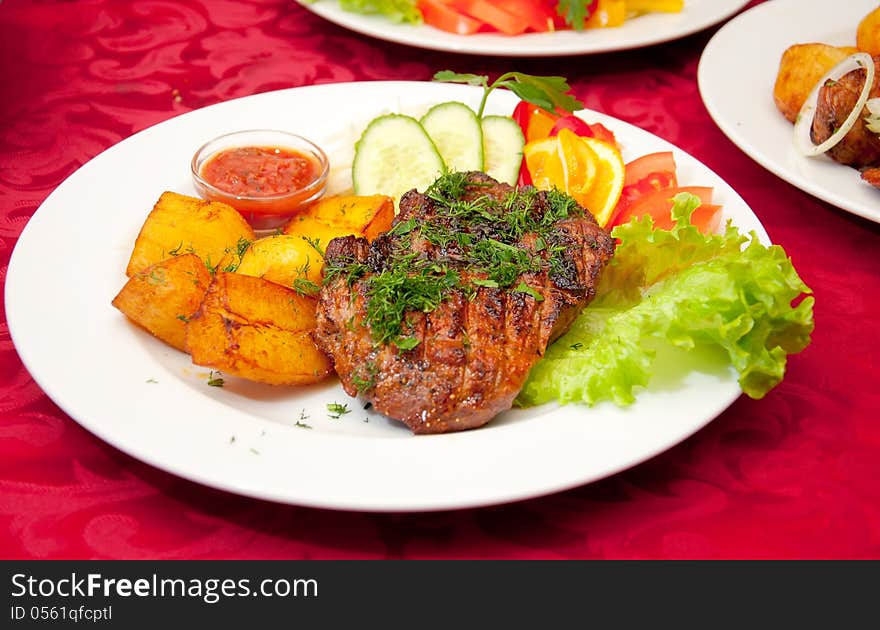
x=540 y=16
x=572 y=123
x=643 y=167
x=493 y=14
x=658 y=205
x=439 y=14
x=601 y=132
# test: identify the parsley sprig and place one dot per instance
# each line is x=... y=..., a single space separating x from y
x=547 y=92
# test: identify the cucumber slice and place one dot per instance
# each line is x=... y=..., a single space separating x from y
x=393 y=156
x=503 y=144
x=457 y=134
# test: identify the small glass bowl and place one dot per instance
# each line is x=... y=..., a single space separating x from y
x=265 y=212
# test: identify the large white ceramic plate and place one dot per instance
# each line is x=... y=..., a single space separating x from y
x=736 y=76
x=149 y=401
x=644 y=30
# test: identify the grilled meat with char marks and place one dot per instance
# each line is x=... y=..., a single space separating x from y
x=860 y=147
x=438 y=321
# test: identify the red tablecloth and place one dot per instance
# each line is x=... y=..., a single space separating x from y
x=792 y=476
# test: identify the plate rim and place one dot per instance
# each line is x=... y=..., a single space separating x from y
x=430 y=504
x=375 y=27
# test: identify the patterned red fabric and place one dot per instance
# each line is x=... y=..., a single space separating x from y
x=792 y=476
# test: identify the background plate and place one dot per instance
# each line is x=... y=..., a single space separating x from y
x=736 y=76
x=641 y=31
x=149 y=401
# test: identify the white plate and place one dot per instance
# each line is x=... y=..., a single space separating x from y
x=149 y=401
x=644 y=30
x=736 y=76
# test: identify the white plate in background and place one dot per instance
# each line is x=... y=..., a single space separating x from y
x=644 y=30
x=737 y=73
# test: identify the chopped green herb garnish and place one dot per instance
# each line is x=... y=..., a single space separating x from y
x=152 y=380
x=470 y=240
x=336 y=410
x=522 y=287
x=315 y=244
x=304 y=286
x=215 y=381
x=302 y=425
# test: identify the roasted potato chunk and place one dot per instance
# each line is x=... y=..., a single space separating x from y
x=258 y=330
x=179 y=224
x=868 y=33
x=283 y=259
x=329 y=217
x=162 y=297
x=800 y=68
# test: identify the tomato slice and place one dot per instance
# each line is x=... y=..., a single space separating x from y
x=439 y=14
x=653 y=163
x=707 y=218
x=658 y=204
x=540 y=16
x=601 y=132
x=493 y=14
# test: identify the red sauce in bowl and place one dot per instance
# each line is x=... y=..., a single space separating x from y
x=260 y=171
x=267 y=175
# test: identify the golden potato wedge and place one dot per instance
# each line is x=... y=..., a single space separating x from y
x=162 y=297
x=258 y=330
x=319 y=232
x=180 y=224
x=800 y=68
x=283 y=259
x=868 y=33
x=365 y=215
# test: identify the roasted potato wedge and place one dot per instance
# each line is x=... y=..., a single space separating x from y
x=341 y=215
x=283 y=259
x=258 y=330
x=800 y=68
x=868 y=33
x=179 y=224
x=162 y=297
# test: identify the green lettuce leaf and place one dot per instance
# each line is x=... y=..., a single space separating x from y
x=396 y=10
x=685 y=289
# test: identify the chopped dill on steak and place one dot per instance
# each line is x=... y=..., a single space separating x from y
x=468 y=229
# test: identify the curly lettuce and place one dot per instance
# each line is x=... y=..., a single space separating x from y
x=685 y=289
x=402 y=11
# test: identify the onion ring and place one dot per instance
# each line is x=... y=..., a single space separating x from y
x=804 y=124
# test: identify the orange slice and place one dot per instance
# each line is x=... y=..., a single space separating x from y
x=564 y=162
x=604 y=194
x=545 y=167
x=579 y=163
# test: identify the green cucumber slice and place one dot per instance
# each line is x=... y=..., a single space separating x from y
x=394 y=155
x=503 y=144
x=456 y=132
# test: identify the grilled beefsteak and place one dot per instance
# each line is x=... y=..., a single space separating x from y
x=861 y=146
x=438 y=321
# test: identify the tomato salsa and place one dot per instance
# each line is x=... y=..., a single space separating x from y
x=260 y=171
